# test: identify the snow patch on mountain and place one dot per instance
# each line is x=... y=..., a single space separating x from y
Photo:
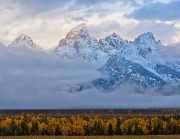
x=24 y=41
x=78 y=43
x=141 y=63
x=112 y=43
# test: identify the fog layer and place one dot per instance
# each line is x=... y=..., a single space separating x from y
x=34 y=79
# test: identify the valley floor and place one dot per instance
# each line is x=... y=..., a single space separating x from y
x=95 y=137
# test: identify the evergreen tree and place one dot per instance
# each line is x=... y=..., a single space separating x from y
x=98 y=128
x=14 y=129
x=25 y=128
x=35 y=128
x=45 y=132
x=88 y=130
x=129 y=131
x=149 y=126
x=110 y=129
x=118 y=129
x=58 y=130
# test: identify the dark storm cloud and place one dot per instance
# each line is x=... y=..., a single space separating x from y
x=158 y=11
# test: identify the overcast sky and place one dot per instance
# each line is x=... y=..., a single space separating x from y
x=48 y=21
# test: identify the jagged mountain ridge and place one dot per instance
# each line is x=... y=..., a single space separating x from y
x=78 y=43
x=138 y=62
x=23 y=45
x=23 y=41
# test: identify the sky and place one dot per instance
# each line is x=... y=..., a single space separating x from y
x=48 y=21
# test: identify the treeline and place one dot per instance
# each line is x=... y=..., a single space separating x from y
x=86 y=125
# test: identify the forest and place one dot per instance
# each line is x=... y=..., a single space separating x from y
x=86 y=125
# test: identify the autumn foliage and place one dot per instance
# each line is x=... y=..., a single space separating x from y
x=30 y=124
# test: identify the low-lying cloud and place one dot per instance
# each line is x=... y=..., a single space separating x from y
x=122 y=97
x=34 y=79
x=26 y=74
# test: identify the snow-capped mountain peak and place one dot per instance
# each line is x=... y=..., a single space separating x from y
x=78 y=32
x=114 y=36
x=78 y=43
x=147 y=35
x=115 y=41
x=23 y=41
x=144 y=46
x=147 y=39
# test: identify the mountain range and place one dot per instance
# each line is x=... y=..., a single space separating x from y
x=141 y=62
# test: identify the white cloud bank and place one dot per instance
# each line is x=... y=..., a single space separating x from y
x=32 y=79
x=93 y=98
x=29 y=74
